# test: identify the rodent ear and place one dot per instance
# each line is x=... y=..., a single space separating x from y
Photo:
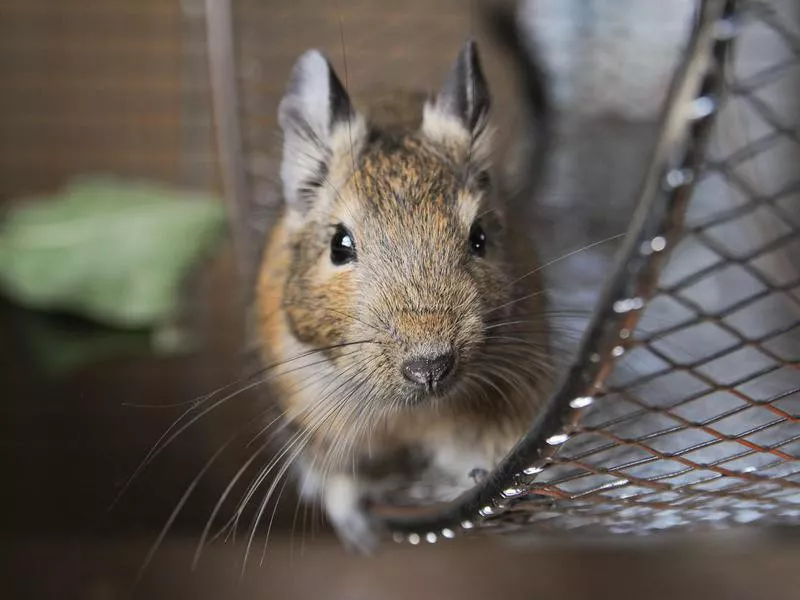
x=312 y=114
x=459 y=112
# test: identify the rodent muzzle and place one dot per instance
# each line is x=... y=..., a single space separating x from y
x=429 y=372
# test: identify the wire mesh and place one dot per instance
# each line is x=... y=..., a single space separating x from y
x=698 y=421
x=109 y=87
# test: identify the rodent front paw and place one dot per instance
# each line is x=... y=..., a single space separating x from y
x=346 y=512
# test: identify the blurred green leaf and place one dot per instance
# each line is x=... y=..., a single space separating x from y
x=112 y=251
x=60 y=345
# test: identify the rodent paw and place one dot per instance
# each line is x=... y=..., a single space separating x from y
x=358 y=533
x=346 y=512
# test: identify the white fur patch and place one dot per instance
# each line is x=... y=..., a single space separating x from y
x=448 y=131
x=310 y=141
x=444 y=128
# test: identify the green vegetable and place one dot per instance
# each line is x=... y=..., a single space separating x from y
x=112 y=251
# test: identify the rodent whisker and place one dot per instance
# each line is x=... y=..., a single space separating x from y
x=546 y=314
x=538 y=363
x=178 y=426
x=566 y=256
x=486 y=381
x=227 y=491
x=204 y=537
x=356 y=319
x=337 y=446
x=178 y=507
x=338 y=435
x=516 y=300
x=298 y=442
x=234 y=480
x=295 y=443
x=237 y=513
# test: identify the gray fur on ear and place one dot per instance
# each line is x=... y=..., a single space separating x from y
x=311 y=115
x=459 y=112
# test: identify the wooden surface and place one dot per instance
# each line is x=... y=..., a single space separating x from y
x=733 y=570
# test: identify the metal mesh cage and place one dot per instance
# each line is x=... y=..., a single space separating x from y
x=699 y=419
x=682 y=405
x=682 y=411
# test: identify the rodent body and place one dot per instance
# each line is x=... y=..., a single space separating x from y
x=404 y=302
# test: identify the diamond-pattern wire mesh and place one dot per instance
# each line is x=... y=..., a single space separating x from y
x=700 y=421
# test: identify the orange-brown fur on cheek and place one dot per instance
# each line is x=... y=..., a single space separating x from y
x=317 y=304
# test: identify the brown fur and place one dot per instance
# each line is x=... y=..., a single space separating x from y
x=405 y=200
x=409 y=195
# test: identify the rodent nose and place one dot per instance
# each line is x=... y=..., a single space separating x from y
x=428 y=371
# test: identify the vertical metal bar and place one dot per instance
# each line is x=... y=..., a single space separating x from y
x=224 y=91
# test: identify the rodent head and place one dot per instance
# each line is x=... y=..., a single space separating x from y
x=398 y=255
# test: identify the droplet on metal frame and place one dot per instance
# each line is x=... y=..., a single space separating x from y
x=675 y=178
x=448 y=533
x=557 y=439
x=398 y=537
x=581 y=402
x=512 y=492
x=621 y=306
x=467 y=524
x=430 y=537
x=413 y=539
x=658 y=243
x=702 y=107
x=617 y=351
x=533 y=470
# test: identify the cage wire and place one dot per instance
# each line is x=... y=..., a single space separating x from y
x=681 y=408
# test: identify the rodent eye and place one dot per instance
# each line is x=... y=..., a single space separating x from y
x=343 y=246
x=477 y=240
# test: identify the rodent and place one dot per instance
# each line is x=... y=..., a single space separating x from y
x=406 y=299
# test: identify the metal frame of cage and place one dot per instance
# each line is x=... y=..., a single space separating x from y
x=518 y=493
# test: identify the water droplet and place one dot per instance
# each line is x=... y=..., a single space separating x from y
x=448 y=533
x=621 y=306
x=430 y=538
x=486 y=511
x=557 y=439
x=624 y=333
x=702 y=107
x=658 y=243
x=617 y=351
x=581 y=402
x=512 y=492
x=532 y=470
x=595 y=358
x=675 y=178
x=398 y=537
x=467 y=524
x=413 y=539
